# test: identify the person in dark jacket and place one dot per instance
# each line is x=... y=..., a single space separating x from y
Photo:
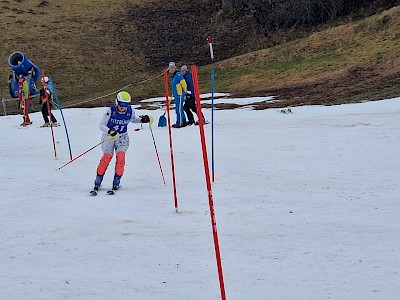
x=190 y=101
x=47 y=95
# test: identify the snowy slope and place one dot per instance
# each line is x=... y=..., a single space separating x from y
x=307 y=207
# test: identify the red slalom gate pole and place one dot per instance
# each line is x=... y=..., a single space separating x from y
x=49 y=113
x=208 y=181
x=170 y=139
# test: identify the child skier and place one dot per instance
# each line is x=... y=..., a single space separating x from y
x=115 y=136
x=47 y=94
x=24 y=97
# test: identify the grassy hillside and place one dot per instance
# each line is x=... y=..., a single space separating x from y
x=75 y=42
x=94 y=47
x=346 y=63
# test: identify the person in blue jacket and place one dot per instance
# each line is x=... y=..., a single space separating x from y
x=179 y=89
x=190 y=103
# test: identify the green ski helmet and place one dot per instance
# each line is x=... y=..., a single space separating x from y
x=123 y=99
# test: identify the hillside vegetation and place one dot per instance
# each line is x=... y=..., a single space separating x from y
x=345 y=63
x=92 y=48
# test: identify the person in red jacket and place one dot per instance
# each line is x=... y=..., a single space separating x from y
x=23 y=96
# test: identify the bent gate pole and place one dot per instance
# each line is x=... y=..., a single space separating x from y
x=62 y=116
x=208 y=182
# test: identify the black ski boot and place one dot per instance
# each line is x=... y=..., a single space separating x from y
x=116 y=181
x=97 y=183
x=98 y=180
x=115 y=186
x=94 y=191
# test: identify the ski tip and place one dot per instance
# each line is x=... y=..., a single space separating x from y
x=285 y=111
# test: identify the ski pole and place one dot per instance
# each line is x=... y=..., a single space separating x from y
x=155 y=147
x=80 y=155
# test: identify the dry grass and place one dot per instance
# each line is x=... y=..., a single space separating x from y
x=349 y=62
x=93 y=47
x=73 y=41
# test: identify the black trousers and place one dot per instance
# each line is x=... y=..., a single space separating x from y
x=189 y=106
x=45 y=113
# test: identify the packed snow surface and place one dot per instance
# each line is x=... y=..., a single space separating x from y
x=307 y=206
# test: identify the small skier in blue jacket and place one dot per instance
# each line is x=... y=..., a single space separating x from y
x=115 y=137
x=179 y=89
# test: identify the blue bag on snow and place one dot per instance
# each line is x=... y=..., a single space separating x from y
x=162 y=121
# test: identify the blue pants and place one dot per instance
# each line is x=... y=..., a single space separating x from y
x=180 y=113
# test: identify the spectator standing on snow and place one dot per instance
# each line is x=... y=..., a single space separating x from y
x=24 y=96
x=114 y=125
x=179 y=89
x=44 y=96
x=190 y=101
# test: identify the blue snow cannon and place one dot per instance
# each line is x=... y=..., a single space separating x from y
x=21 y=65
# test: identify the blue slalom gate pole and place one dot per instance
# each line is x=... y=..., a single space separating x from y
x=212 y=125
x=210 y=44
x=53 y=90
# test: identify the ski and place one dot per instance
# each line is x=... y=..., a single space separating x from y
x=94 y=191
x=205 y=122
x=111 y=192
x=285 y=111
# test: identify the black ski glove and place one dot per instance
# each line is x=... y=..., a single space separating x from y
x=144 y=119
x=112 y=132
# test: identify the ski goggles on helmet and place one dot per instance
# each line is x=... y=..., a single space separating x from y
x=122 y=104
